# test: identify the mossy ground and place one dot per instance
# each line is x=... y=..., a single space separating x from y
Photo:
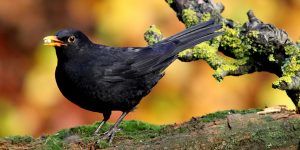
x=266 y=130
x=134 y=131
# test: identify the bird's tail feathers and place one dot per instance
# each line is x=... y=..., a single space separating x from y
x=195 y=35
x=165 y=52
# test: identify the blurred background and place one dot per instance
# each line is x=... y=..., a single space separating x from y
x=31 y=104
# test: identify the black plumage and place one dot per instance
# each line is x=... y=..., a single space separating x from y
x=102 y=79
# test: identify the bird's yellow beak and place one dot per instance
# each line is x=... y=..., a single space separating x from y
x=53 y=41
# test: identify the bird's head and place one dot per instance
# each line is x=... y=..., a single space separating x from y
x=68 y=42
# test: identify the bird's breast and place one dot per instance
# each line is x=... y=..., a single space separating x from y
x=86 y=87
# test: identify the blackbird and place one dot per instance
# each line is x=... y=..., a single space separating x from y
x=102 y=79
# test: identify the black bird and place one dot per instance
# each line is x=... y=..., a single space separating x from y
x=102 y=79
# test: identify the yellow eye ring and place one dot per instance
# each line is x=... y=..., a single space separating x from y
x=71 y=39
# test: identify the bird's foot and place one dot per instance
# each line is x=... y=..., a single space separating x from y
x=97 y=132
x=109 y=135
x=99 y=127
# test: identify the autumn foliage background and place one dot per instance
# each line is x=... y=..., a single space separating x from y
x=30 y=102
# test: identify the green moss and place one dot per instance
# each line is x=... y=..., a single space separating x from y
x=204 y=51
x=253 y=34
x=103 y=144
x=268 y=118
x=219 y=74
x=153 y=35
x=252 y=47
x=189 y=17
x=19 y=139
x=54 y=143
x=296 y=123
x=224 y=114
x=184 y=53
x=208 y=52
x=272 y=133
x=82 y=131
x=281 y=80
x=132 y=129
x=129 y=129
x=263 y=134
x=271 y=58
x=182 y=130
x=292 y=66
x=232 y=42
x=242 y=46
x=230 y=37
x=205 y=17
x=291 y=50
x=230 y=65
x=133 y=126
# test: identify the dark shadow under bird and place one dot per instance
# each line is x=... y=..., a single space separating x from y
x=102 y=79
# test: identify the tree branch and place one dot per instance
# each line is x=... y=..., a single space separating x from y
x=250 y=47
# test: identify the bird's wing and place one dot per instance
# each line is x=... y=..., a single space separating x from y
x=137 y=62
x=155 y=58
x=118 y=72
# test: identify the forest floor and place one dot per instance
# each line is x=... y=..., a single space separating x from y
x=231 y=129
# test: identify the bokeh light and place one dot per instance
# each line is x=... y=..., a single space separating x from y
x=30 y=102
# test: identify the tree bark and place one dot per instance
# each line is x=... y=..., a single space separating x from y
x=250 y=47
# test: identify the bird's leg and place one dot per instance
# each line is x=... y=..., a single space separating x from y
x=112 y=131
x=100 y=126
x=106 y=116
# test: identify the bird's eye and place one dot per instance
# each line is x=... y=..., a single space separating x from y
x=71 y=39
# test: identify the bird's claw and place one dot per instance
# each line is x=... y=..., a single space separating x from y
x=96 y=133
x=109 y=135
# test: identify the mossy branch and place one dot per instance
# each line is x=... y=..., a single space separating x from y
x=250 y=47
